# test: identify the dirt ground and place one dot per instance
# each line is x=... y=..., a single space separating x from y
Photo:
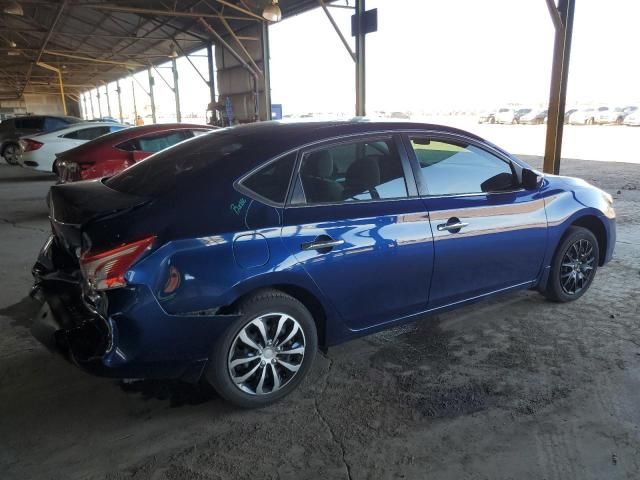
x=515 y=388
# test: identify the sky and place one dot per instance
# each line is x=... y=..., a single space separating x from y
x=428 y=56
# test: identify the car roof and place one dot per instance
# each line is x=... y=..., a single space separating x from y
x=73 y=128
x=309 y=131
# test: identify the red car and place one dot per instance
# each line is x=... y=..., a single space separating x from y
x=112 y=153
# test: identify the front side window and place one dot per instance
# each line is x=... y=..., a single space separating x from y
x=272 y=180
x=30 y=123
x=460 y=168
x=359 y=171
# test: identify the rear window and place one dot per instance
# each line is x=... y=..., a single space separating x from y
x=160 y=172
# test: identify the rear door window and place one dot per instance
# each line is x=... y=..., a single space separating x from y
x=351 y=172
x=88 y=133
x=155 y=143
x=272 y=180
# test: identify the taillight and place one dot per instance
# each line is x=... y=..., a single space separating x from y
x=106 y=270
x=29 y=145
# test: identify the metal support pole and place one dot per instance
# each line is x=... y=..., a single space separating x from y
x=84 y=100
x=119 y=91
x=151 y=97
x=93 y=114
x=266 y=71
x=360 y=60
x=176 y=90
x=212 y=81
x=135 y=105
x=563 y=23
x=106 y=94
x=98 y=97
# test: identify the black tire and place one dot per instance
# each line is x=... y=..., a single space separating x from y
x=557 y=289
x=261 y=305
x=8 y=153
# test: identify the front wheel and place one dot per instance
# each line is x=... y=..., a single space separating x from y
x=574 y=265
x=265 y=353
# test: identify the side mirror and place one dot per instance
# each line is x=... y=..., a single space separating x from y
x=498 y=183
x=531 y=180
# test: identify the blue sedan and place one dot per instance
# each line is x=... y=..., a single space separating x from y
x=233 y=257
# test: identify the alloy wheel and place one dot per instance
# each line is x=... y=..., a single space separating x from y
x=266 y=353
x=11 y=154
x=577 y=266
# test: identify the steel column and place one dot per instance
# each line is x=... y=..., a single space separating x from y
x=266 y=71
x=176 y=90
x=93 y=114
x=212 y=82
x=151 y=97
x=360 y=60
x=98 y=97
x=106 y=94
x=135 y=105
x=84 y=100
x=562 y=18
x=119 y=91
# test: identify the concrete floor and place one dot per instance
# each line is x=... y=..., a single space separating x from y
x=515 y=388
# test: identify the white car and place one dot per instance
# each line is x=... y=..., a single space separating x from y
x=633 y=119
x=39 y=151
x=505 y=115
x=587 y=116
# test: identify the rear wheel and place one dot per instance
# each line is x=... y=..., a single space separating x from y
x=574 y=266
x=265 y=353
x=11 y=153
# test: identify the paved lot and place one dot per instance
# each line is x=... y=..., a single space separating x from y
x=512 y=389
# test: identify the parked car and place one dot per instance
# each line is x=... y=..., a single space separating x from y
x=632 y=119
x=112 y=153
x=505 y=115
x=567 y=115
x=13 y=128
x=534 y=117
x=232 y=257
x=610 y=115
x=487 y=117
x=39 y=151
x=586 y=116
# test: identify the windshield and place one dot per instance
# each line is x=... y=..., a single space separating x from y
x=159 y=173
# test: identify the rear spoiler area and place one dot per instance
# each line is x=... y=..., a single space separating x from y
x=73 y=205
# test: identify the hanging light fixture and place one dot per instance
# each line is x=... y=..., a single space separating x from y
x=13 y=8
x=272 y=12
x=12 y=44
x=173 y=53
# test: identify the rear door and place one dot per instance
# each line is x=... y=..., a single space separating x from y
x=356 y=224
x=489 y=233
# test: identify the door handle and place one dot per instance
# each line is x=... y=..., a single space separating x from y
x=450 y=227
x=324 y=244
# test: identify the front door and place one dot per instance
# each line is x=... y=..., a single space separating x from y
x=489 y=233
x=357 y=226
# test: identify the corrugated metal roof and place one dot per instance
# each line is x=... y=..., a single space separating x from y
x=97 y=40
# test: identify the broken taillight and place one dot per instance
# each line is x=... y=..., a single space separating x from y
x=106 y=270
